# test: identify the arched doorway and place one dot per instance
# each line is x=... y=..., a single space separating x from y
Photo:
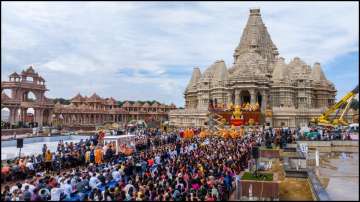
x=5 y=118
x=245 y=97
x=29 y=118
x=30 y=79
x=29 y=96
x=259 y=98
x=7 y=92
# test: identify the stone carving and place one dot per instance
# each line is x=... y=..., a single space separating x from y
x=258 y=75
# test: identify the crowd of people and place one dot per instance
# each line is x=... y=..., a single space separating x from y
x=165 y=167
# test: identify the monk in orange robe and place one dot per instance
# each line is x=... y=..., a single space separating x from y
x=98 y=155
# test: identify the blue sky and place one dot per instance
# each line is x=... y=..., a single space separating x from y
x=147 y=50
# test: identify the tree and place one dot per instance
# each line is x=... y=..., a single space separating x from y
x=61 y=101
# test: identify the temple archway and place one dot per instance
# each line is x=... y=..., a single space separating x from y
x=29 y=96
x=7 y=92
x=29 y=118
x=5 y=114
x=245 y=97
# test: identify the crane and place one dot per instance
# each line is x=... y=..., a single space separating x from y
x=340 y=120
x=344 y=103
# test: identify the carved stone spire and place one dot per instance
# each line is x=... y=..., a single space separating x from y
x=194 y=78
x=317 y=74
x=255 y=38
x=280 y=72
x=221 y=73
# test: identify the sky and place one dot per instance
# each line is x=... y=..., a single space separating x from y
x=147 y=50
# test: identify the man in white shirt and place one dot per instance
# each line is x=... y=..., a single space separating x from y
x=31 y=187
x=157 y=159
x=17 y=186
x=94 y=181
x=116 y=175
x=30 y=165
x=56 y=192
x=67 y=188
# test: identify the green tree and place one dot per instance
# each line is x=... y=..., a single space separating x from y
x=61 y=101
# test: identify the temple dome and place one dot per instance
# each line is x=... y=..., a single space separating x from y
x=298 y=69
x=280 y=72
x=256 y=38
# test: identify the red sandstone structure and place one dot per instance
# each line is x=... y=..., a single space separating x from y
x=82 y=112
x=18 y=102
x=94 y=110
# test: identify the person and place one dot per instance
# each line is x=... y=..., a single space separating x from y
x=56 y=192
x=92 y=155
x=48 y=160
x=87 y=156
x=44 y=149
x=67 y=188
x=109 y=153
x=94 y=181
x=27 y=194
x=5 y=172
x=44 y=194
x=98 y=155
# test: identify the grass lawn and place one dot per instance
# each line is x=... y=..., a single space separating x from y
x=264 y=148
x=262 y=177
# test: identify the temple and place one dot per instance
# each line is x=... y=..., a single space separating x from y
x=19 y=100
x=82 y=113
x=288 y=94
x=85 y=112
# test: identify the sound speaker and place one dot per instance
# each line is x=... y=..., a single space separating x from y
x=19 y=143
x=255 y=152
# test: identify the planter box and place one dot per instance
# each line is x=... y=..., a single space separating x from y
x=269 y=153
x=260 y=189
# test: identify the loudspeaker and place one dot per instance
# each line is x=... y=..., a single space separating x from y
x=255 y=152
x=19 y=143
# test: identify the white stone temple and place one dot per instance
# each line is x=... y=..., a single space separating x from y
x=290 y=93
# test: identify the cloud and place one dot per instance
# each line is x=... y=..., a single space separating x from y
x=140 y=50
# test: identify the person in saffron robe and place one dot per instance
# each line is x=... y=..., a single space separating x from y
x=98 y=155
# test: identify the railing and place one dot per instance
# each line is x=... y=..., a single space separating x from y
x=24 y=84
x=186 y=111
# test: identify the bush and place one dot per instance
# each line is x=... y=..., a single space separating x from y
x=259 y=177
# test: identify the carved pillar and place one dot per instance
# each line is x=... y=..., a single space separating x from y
x=23 y=114
x=39 y=116
x=252 y=97
x=263 y=101
x=237 y=97
x=12 y=115
x=229 y=98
